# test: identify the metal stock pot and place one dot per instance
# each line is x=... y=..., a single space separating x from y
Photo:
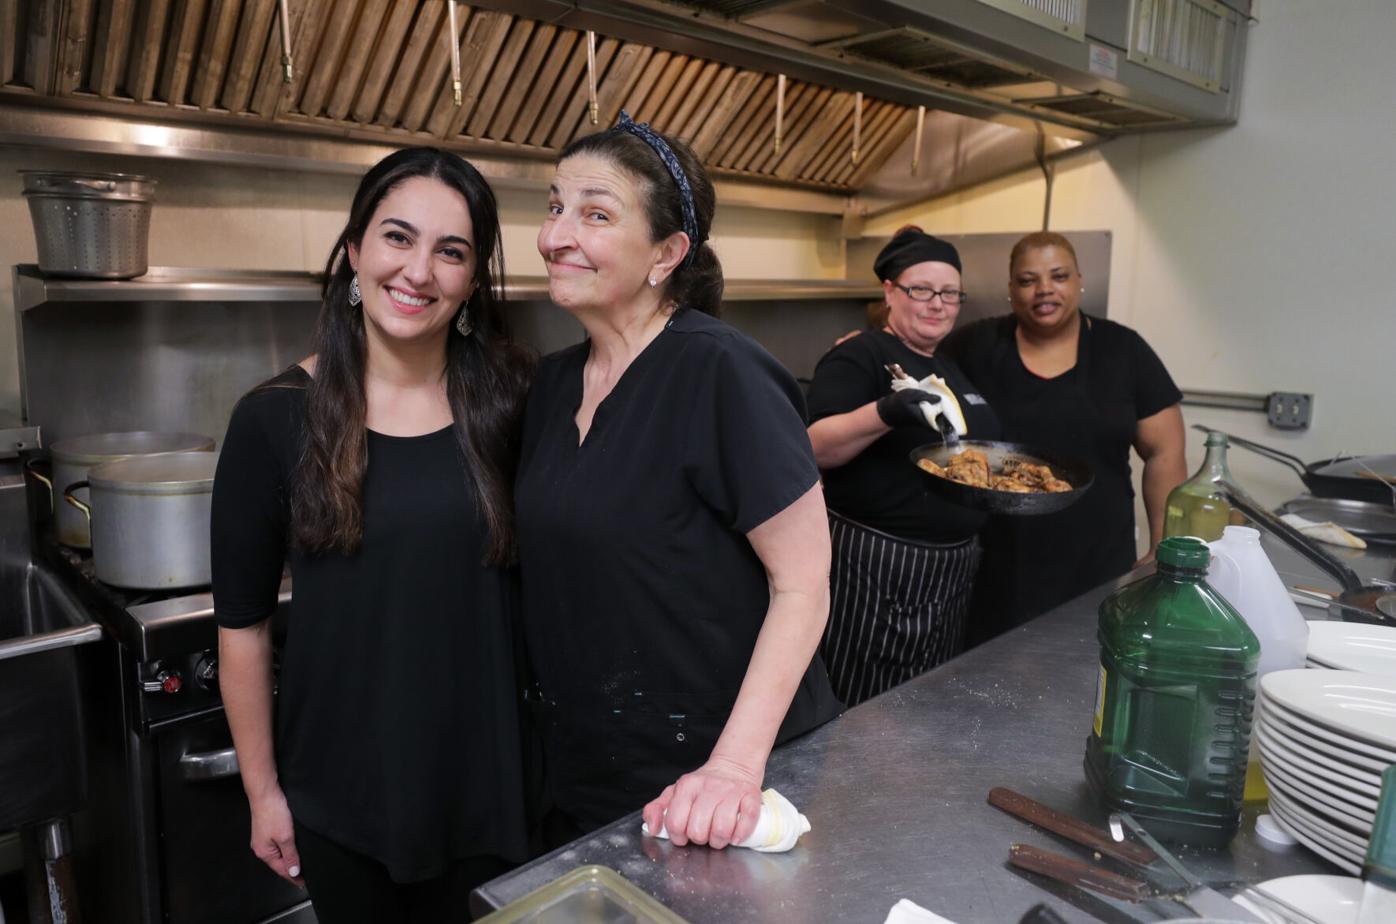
x=72 y=458
x=150 y=520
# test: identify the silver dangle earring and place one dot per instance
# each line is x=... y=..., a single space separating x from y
x=463 y=324
x=355 y=296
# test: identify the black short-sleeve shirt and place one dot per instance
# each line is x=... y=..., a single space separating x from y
x=1091 y=411
x=397 y=708
x=642 y=595
x=880 y=487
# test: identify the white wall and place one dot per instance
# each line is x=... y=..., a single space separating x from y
x=1259 y=257
x=246 y=218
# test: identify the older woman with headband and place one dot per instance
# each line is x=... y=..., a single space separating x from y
x=1085 y=387
x=671 y=524
x=903 y=560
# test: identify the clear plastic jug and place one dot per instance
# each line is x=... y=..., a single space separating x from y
x=1242 y=573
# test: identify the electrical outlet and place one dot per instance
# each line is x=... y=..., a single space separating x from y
x=1289 y=410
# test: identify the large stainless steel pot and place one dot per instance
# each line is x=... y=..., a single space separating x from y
x=150 y=520
x=73 y=458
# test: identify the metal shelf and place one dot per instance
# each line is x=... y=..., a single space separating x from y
x=185 y=284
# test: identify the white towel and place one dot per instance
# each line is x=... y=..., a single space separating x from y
x=949 y=406
x=907 y=911
x=777 y=830
x=1328 y=532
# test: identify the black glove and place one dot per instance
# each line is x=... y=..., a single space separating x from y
x=902 y=408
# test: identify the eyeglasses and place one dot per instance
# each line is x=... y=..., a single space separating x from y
x=926 y=294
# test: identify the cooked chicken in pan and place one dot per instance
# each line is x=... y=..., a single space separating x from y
x=970 y=467
x=1018 y=476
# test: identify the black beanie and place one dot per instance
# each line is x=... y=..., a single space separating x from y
x=910 y=248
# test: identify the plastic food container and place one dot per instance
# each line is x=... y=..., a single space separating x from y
x=588 y=893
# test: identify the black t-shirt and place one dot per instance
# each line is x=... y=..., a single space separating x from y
x=1092 y=412
x=642 y=595
x=880 y=487
x=397 y=707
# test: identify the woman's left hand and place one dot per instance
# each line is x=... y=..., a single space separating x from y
x=717 y=804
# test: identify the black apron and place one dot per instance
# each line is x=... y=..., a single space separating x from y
x=1032 y=564
x=897 y=607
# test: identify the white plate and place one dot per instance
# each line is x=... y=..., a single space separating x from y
x=1279 y=779
x=1353 y=646
x=1336 y=834
x=1330 y=899
x=1315 y=762
x=1319 y=845
x=1301 y=731
x=1356 y=704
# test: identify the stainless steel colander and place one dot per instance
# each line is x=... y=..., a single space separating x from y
x=90 y=225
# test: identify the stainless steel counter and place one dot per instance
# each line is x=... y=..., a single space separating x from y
x=895 y=790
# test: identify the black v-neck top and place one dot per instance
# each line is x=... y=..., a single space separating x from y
x=397 y=706
x=642 y=597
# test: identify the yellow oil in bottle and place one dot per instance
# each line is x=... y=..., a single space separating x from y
x=1198 y=507
x=1203 y=515
x=1256 y=790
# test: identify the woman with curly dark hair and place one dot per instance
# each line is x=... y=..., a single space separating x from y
x=381 y=466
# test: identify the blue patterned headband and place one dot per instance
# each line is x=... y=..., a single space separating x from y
x=661 y=147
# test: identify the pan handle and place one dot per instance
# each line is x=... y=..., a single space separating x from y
x=1300 y=467
x=1301 y=543
x=39 y=476
x=68 y=496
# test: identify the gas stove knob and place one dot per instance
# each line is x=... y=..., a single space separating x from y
x=164 y=681
x=206 y=672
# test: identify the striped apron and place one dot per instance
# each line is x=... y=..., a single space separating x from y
x=897 y=609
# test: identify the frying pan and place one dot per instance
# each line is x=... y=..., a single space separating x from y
x=1373 y=522
x=1073 y=471
x=1358 y=601
x=1347 y=477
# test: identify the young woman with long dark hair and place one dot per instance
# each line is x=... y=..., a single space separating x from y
x=381 y=467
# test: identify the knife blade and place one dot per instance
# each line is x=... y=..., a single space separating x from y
x=1200 y=897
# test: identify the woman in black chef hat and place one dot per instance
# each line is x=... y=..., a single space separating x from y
x=903 y=560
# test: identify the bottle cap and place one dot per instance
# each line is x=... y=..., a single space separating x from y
x=1216 y=439
x=1271 y=835
x=1184 y=552
x=1380 y=864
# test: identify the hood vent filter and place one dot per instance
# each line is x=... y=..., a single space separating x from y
x=920 y=52
x=1185 y=39
x=1065 y=16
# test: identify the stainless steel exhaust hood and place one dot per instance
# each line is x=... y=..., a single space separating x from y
x=1005 y=84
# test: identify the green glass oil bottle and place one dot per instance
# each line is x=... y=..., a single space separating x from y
x=1198 y=507
x=1174 y=701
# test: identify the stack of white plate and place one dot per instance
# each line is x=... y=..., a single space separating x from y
x=1325 y=736
x=1352 y=646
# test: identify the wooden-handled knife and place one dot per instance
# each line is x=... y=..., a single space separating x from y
x=1077 y=873
x=1073 y=829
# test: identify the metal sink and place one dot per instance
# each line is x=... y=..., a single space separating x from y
x=37 y=614
x=43 y=771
